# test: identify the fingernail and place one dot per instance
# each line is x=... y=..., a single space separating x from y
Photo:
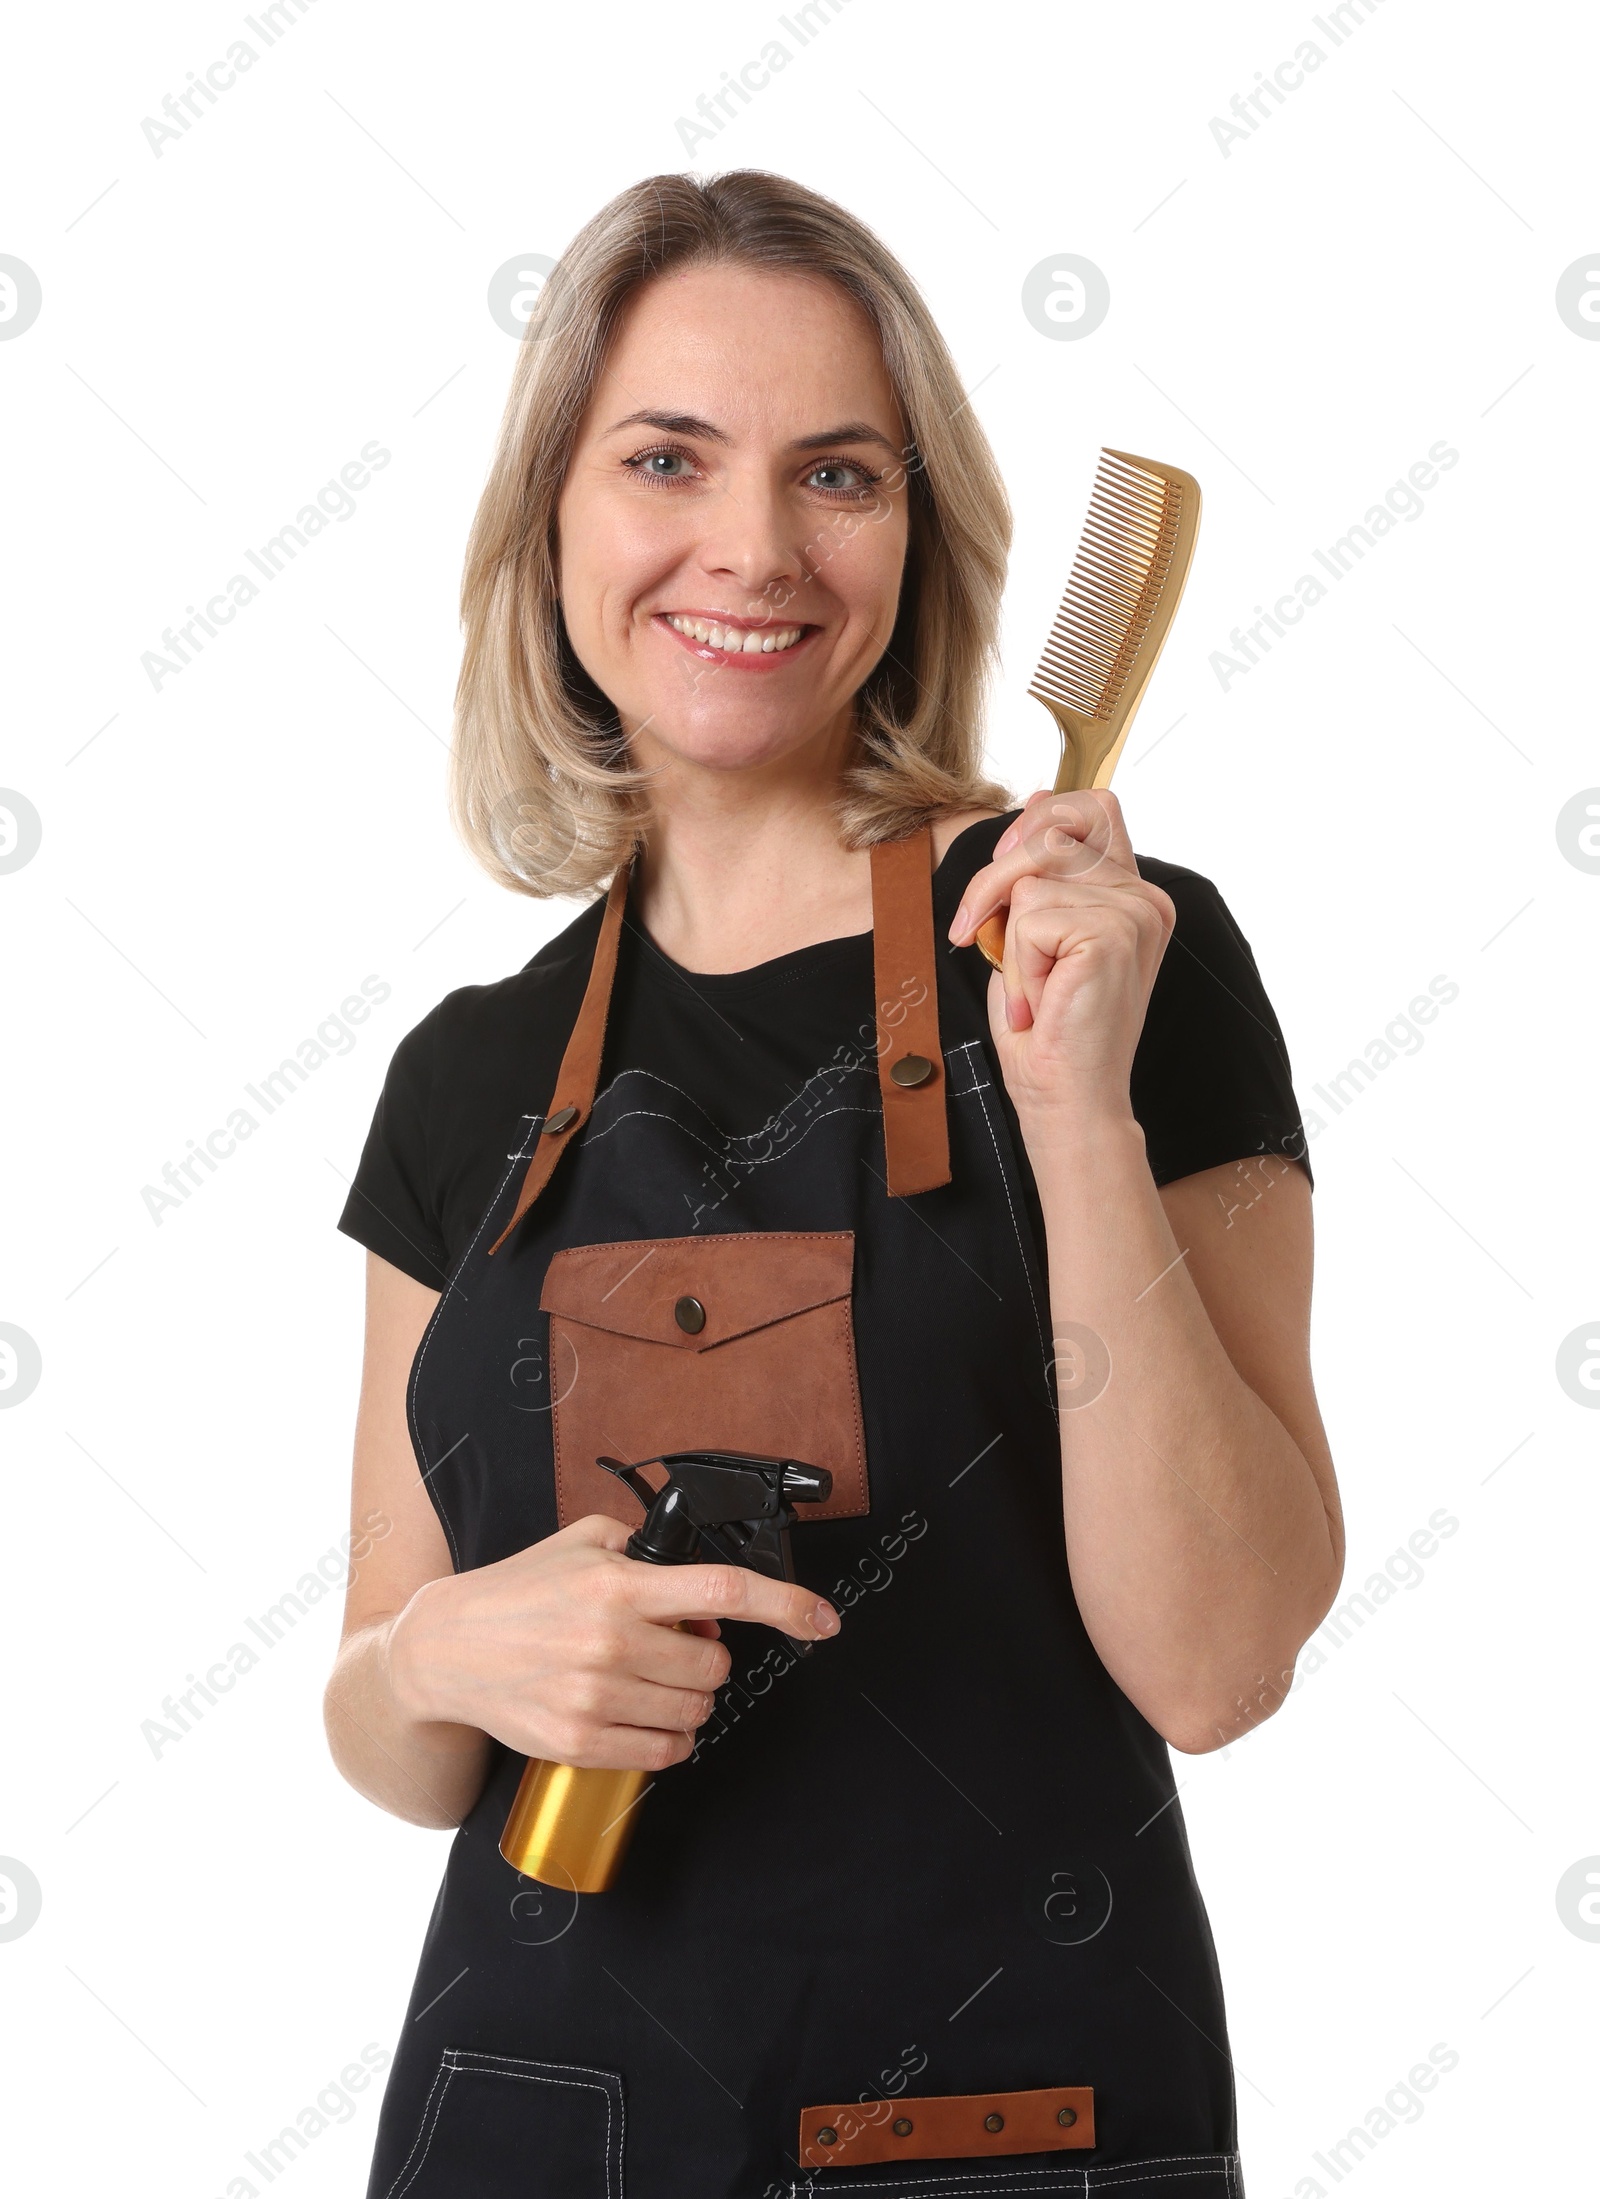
x=825 y=1619
x=959 y=922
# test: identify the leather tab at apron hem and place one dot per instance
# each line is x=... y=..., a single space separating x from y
x=948 y=2127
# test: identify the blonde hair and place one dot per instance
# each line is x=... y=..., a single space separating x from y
x=540 y=788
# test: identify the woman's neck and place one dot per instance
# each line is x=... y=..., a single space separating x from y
x=740 y=866
x=729 y=890
x=733 y=877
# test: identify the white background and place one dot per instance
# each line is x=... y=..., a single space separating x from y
x=1371 y=271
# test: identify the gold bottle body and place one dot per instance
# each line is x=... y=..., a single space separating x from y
x=570 y=1825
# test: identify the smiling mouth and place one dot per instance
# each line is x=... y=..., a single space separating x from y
x=738 y=641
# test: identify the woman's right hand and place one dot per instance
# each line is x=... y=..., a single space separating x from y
x=571 y=1651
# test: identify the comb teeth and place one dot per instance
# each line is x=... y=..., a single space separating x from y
x=1117 y=577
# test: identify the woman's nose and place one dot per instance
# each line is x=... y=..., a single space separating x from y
x=750 y=538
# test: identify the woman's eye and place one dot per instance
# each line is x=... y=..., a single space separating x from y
x=658 y=465
x=837 y=467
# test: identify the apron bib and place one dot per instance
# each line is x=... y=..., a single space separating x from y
x=917 y=1915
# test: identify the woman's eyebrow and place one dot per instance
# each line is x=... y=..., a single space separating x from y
x=689 y=423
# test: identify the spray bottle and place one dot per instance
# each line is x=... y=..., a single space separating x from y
x=570 y=1825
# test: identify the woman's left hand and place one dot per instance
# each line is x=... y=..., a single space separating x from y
x=1084 y=939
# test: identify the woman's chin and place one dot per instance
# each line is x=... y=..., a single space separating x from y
x=721 y=749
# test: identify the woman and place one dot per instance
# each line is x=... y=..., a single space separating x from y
x=922 y=1894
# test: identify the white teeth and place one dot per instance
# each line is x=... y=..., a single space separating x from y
x=736 y=640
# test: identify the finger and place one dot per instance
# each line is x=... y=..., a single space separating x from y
x=1007 y=843
x=1092 y=815
x=670 y=1656
x=630 y=1748
x=1067 y=843
x=1035 y=892
x=1103 y=911
x=1035 y=937
x=674 y=1592
x=1051 y=918
x=1065 y=836
x=1114 y=942
x=1018 y=825
x=626 y=1700
x=1015 y=1006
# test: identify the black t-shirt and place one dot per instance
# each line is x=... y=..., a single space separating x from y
x=1210 y=1081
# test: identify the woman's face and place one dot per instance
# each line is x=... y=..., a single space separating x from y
x=732 y=529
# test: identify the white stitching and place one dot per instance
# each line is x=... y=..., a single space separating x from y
x=790 y=1145
x=611 y=2087
x=445 y=2072
x=1214 y=2167
x=427 y=1339
x=1037 y=2180
x=523 y=2061
x=726 y=1140
x=1016 y=1227
x=1119 y=2168
x=902 y=2185
x=968 y=1046
x=726 y=1145
x=840 y=1070
x=456 y=2058
x=1157 y=2168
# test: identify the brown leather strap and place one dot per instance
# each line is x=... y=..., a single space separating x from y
x=579 y=1073
x=951 y=2126
x=916 y=1136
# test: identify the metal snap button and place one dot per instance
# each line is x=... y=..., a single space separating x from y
x=690 y=1316
x=902 y=2126
x=1066 y=2116
x=827 y=2136
x=911 y=1069
x=994 y=2122
x=562 y=1119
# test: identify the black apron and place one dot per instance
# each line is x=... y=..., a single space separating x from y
x=938 y=1857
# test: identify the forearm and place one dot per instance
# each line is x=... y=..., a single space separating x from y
x=424 y=1770
x=1200 y=1548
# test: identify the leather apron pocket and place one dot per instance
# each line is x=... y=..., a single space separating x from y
x=492 y=2122
x=742 y=1342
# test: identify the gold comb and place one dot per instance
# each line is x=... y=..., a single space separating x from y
x=1127 y=578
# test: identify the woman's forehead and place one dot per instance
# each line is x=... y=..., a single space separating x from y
x=746 y=349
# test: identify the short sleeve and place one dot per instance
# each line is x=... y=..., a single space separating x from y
x=392 y=1208
x=1211 y=1077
